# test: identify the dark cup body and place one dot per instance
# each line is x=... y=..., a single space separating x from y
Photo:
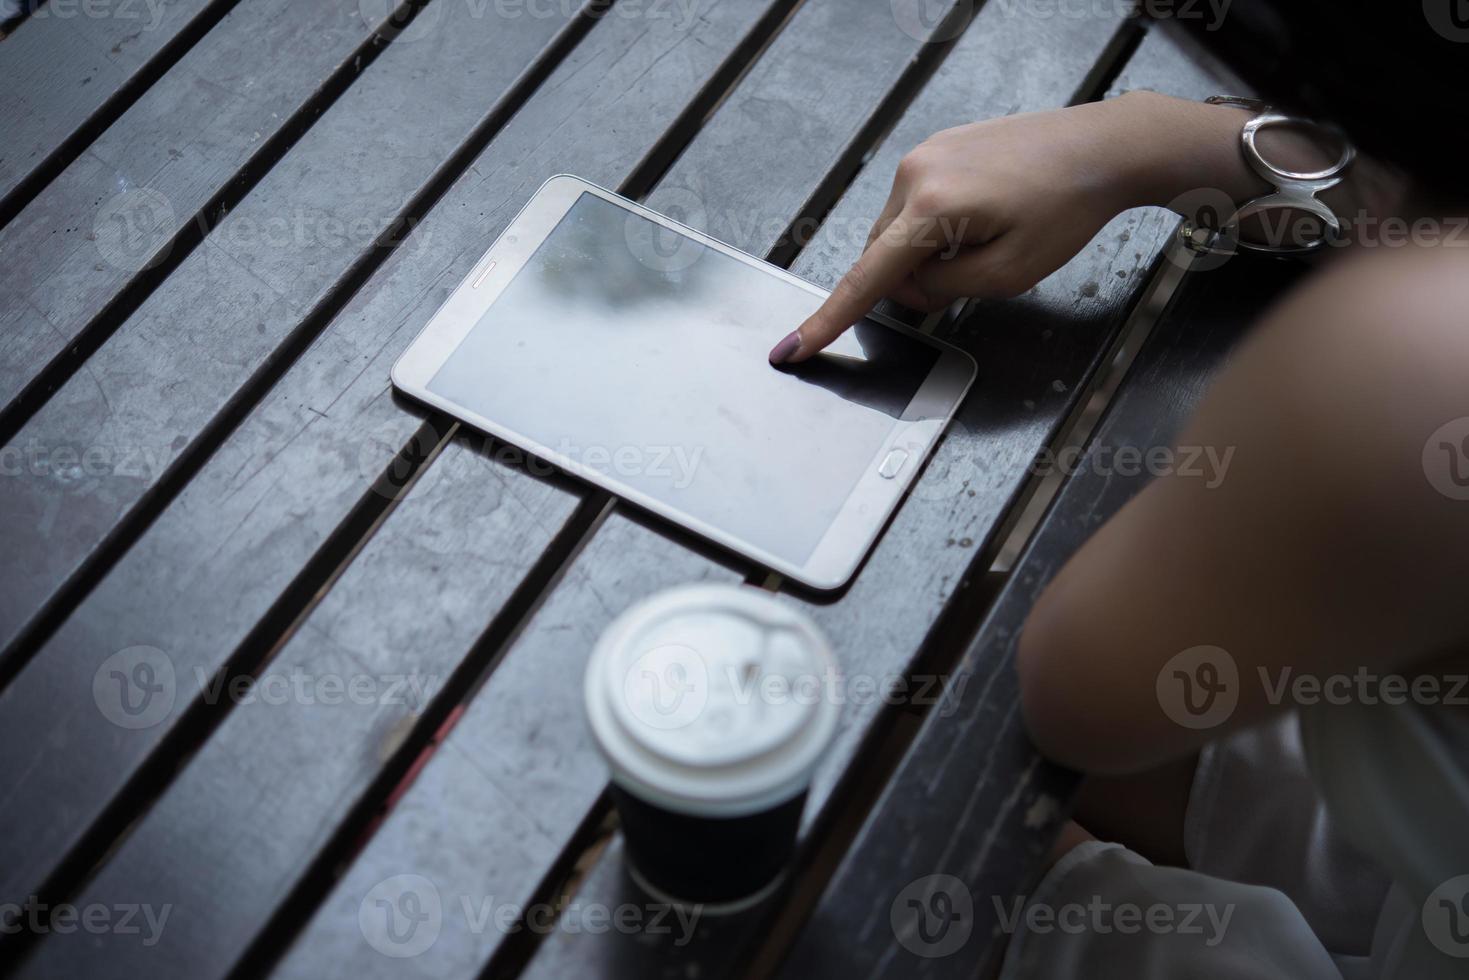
x=708 y=860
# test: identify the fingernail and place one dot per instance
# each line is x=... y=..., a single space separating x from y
x=788 y=346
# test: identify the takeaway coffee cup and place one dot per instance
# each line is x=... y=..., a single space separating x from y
x=711 y=706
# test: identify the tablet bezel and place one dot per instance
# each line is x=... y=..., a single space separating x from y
x=869 y=504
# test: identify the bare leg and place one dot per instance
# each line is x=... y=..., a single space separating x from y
x=1327 y=548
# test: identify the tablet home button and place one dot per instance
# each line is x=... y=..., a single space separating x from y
x=893 y=464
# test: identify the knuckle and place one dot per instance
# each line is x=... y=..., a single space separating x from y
x=915 y=163
x=927 y=200
x=854 y=284
x=908 y=167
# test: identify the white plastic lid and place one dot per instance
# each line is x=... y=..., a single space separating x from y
x=712 y=700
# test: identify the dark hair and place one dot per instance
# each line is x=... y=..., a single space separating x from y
x=1392 y=74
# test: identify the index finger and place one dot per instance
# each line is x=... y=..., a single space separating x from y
x=881 y=269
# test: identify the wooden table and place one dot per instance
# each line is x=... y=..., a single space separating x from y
x=297 y=664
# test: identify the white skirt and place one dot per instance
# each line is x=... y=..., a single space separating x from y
x=1271 y=891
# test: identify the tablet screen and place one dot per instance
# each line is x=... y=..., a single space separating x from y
x=640 y=353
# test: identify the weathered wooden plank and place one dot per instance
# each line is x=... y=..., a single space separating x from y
x=231 y=837
x=197 y=340
x=68 y=67
x=116 y=209
x=956 y=807
x=221 y=325
x=516 y=784
x=438 y=831
x=971 y=798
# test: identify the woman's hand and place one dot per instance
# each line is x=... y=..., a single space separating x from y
x=992 y=208
x=987 y=209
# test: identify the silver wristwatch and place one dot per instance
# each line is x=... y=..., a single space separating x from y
x=1294 y=190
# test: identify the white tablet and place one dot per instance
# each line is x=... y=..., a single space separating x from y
x=630 y=350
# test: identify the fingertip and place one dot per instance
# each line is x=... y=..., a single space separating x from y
x=788 y=348
x=813 y=337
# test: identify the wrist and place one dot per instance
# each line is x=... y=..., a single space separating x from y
x=1168 y=148
x=1182 y=155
